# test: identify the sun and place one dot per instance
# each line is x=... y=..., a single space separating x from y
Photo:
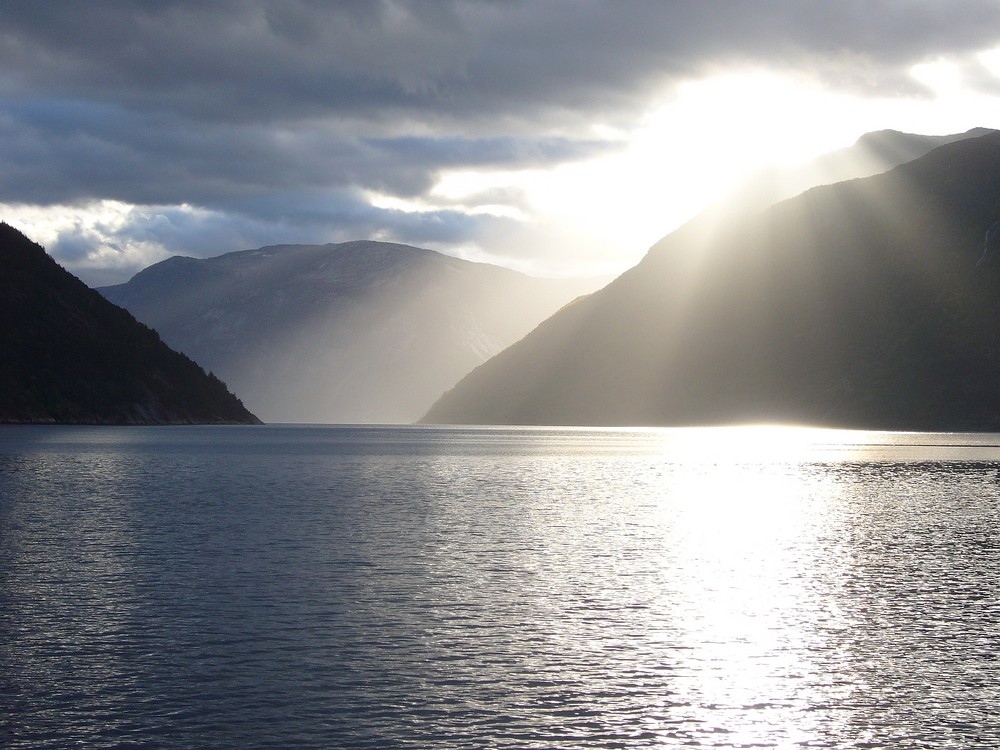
x=699 y=141
x=708 y=135
x=691 y=150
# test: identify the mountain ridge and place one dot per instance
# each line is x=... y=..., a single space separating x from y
x=854 y=304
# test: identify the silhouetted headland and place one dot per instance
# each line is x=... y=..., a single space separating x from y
x=67 y=355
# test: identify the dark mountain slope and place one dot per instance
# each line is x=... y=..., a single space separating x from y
x=866 y=303
x=355 y=332
x=68 y=355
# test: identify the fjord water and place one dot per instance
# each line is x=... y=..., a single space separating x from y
x=466 y=588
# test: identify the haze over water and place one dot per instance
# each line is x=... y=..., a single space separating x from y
x=487 y=587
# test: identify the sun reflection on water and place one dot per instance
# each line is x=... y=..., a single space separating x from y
x=740 y=510
x=758 y=443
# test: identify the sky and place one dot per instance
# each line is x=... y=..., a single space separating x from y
x=557 y=137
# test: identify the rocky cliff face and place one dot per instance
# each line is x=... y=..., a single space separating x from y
x=353 y=332
x=68 y=355
x=870 y=303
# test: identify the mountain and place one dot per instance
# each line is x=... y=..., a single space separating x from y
x=69 y=355
x=871 y=154
x=353 y=332
x=873 y=302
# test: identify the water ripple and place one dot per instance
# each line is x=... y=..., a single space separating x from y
x=513 y=589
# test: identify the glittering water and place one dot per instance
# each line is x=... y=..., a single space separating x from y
x=474 y=588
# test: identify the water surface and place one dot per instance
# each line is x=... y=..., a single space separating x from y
x=492 y=587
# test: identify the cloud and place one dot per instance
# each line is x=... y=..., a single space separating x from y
x=245 y=121
x=66 y=150
x=381 y=61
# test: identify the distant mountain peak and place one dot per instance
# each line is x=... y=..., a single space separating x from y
x=359 y=331
x=873 y=153
x=890 y=134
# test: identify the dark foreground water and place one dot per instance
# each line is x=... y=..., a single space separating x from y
x=476 y=588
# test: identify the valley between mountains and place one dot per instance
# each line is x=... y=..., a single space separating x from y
x=860 y=290
x=358 y=332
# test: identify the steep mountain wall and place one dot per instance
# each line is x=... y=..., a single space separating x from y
x=866 y=303
x=69 y=355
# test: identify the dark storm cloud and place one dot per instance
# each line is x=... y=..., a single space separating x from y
x=284 y=59
x=283 y=111
x=59 y=151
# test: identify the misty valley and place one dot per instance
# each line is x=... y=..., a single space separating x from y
x=360 y=332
